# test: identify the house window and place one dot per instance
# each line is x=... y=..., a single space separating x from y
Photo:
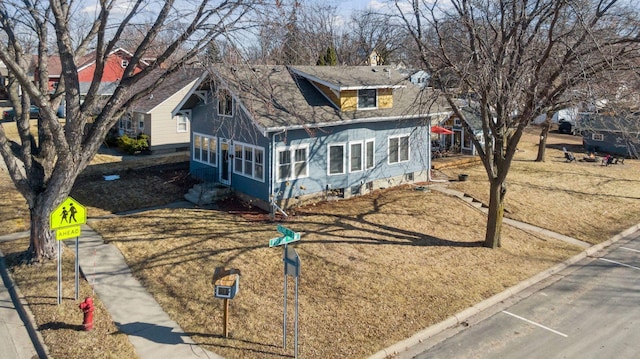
x=225 y=103
x=140 y=121
x=238 y=159
x=369 y=154
x=258 y=164
x=336 y=159
x=597 y=137
x=355 y=157
x=204 y=149
x=367 y=99
x=399 y=149
x=124 y=63
x=457 y=122
x=248 y=160
x=466 y=141
x=197 y=147
x=182 y=123
x=292 y=163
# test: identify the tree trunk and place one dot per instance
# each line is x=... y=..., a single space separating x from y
x=542 y=146
x=498 y=190
x=42 y=242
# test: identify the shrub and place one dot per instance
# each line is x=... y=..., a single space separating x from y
x=132 y=145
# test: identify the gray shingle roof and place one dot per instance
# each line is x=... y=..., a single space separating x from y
x=172 y=84
x=353 y=77
x=278 y=99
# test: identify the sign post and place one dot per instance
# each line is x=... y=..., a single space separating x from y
x=66 y=220
x=291 y=262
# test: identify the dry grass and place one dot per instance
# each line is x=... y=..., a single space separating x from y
x=375 y=269
x=61 y=325
x=584 y=200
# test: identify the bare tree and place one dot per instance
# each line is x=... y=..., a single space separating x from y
x=44 y=166
x=518 y=59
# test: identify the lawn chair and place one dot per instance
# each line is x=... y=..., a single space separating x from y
x=607 y=160
x=569 y=157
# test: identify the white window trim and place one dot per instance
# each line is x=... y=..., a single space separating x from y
x=367 y=108
x=244 y=147
x=220 y=99
x=124 y=63
x=212 y=139
x=187 y=116
x=344 y=159
x=362 y=155
x=389 y=149
x=366 y=153
x=140 y=120
x=597 y=137
x=292 y=153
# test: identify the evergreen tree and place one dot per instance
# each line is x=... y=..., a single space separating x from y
x=329 y=58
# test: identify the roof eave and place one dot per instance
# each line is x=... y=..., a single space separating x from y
x=352 y=121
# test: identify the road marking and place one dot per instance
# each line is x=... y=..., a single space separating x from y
x=534 y=323
x=618 y=263
x=630 y=249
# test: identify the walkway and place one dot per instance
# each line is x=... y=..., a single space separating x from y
x=132 y=308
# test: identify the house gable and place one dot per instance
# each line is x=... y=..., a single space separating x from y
x=342 y=85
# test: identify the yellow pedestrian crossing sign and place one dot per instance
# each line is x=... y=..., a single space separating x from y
x=68 y=213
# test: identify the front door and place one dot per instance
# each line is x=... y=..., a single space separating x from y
x=225 y=164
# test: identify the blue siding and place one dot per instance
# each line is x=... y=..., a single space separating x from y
x=612 y=143
x=319 y=179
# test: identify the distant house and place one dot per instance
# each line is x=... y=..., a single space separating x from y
x=374 y=59
x=116 y=62
x=154 y=114
x=3 y=80
x=460 y=141
x=278 y=136
x=420 y=78
x=610 y=134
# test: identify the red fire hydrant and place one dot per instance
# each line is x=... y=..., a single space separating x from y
x=87 y=309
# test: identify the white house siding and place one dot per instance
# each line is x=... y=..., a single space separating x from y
x=164 y=129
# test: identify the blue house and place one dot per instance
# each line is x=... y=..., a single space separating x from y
x=277 y=136
x=618 y=135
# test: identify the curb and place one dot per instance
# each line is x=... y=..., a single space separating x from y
x=23 y=311
x=462 y=316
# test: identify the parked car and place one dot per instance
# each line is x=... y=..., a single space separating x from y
x=9 y=115
x=565 y=127
x=34 y=112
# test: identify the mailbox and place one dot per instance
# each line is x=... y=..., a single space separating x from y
x=226 y=282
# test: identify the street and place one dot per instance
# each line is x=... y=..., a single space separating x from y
x=593 y=312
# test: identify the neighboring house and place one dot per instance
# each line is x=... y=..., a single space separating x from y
x=420 y=78
x=116 y=63
x=278 y=136
x=460 y=141
x=374 y=59
x=610 y=134
x=152 y=115
x=3 y=81
x=569 y=114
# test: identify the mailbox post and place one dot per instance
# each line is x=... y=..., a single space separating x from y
x=225 y=286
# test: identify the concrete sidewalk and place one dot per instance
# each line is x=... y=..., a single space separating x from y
x=132 y=308
x=18 y=337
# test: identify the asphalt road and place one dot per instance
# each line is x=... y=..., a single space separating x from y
x=592 y=312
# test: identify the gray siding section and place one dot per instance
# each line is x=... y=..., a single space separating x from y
x=614 y=143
